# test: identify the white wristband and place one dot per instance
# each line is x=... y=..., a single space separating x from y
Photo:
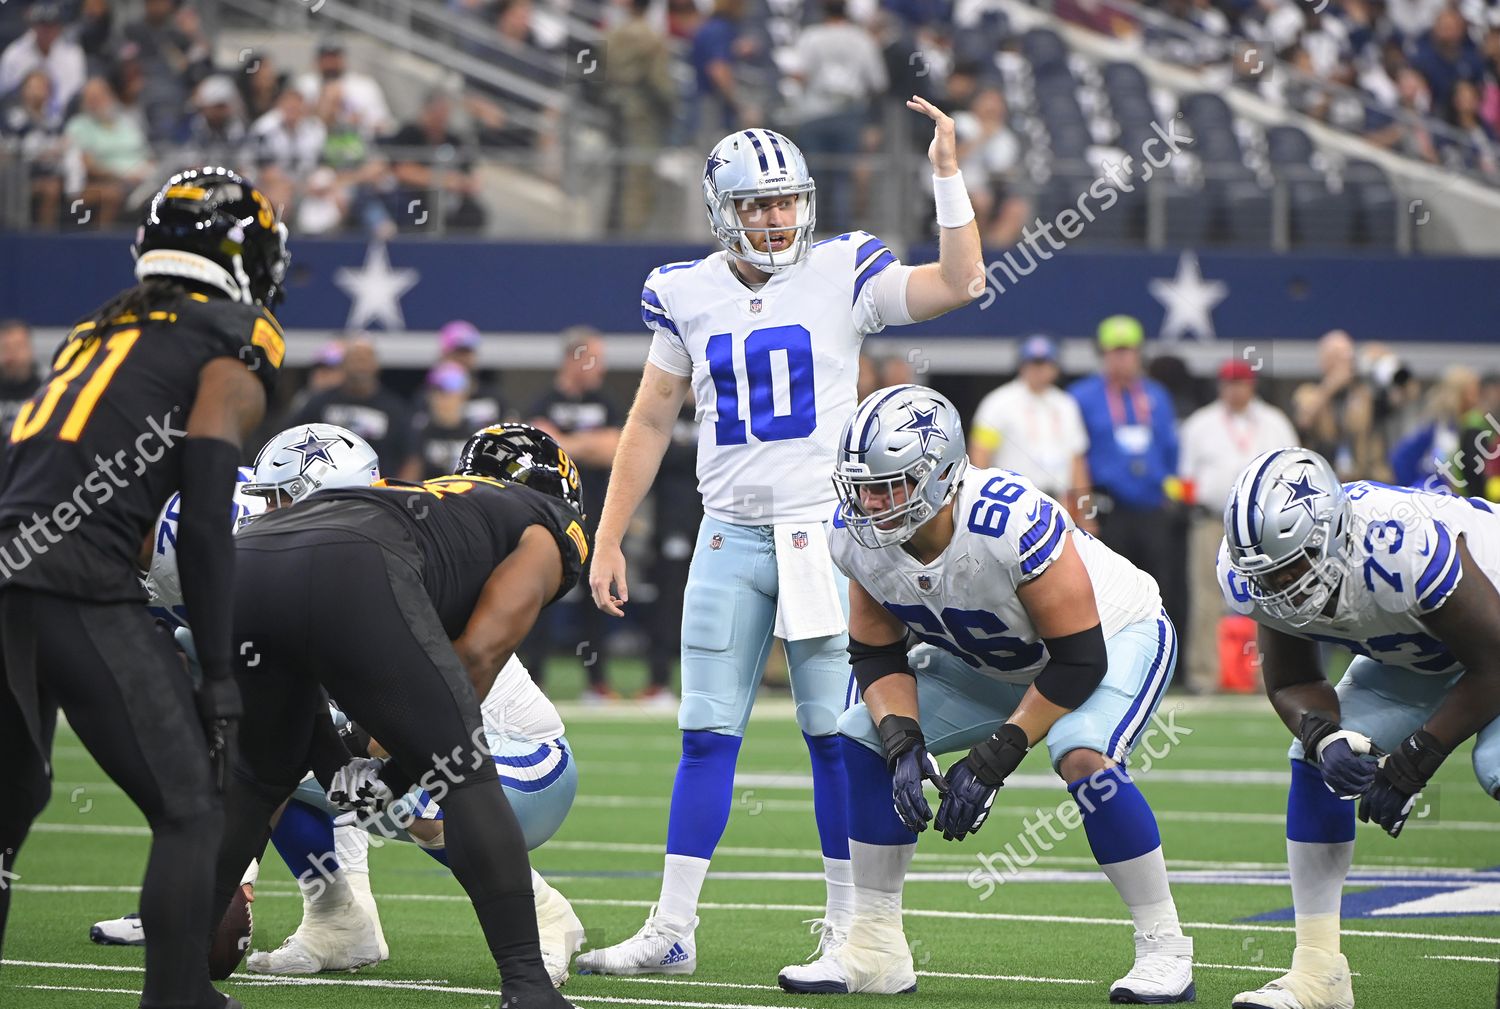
x=952 y=198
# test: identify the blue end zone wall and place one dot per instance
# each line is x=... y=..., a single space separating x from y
x=50 y=280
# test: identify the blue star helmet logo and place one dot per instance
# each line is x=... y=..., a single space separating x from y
x=924 y=424
x=713 y=165
x=313 y=449
x=1301 y=494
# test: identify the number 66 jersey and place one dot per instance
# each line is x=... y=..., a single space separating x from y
x=774 y=370
x=1006 y=532
x=1402 y=563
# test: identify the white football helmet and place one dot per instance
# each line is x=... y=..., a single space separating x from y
x=750 y=165
x=309 y=458
x=905 y=439
x=162 y=582
x=1288 y=509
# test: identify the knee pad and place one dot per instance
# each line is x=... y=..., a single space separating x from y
x=859 y=727
x=818 y=719
x=1487 y=769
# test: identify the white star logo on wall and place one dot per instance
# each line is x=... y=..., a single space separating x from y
x=375 y=290
x=1189 y=300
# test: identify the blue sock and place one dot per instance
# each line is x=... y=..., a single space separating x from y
x=872 y=813
x=1116 y=817
x=830 y=794
x=1315 y=815
x=702 y=793
x=304 y=839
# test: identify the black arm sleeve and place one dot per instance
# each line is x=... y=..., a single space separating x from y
x=205 y=549
x=327 y=753
x=875 y=662
x=1075 y=667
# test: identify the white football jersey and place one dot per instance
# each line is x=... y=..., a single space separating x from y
x=1005 y=533
x=516 y=708
x=162 y=582
x=774 y=371
x=1405 y=566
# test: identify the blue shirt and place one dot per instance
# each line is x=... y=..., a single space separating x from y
x=713 y=42
x=1132 y=442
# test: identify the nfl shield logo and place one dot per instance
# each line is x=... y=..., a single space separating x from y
x=799 y=540
x=716 y=542
x=924 y=582
x=755 y=305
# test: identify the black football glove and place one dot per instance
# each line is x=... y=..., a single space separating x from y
x=974 y=780
x=1398 y=780
x=219 y=712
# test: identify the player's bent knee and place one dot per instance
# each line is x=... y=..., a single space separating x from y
x=428 y=834
x=817 y=719
x=696 y=713
x=1487 y=770
x=1082 y=762
x=857 y=725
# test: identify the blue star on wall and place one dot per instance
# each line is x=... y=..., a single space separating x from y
x=924 y=425
x=1302 y=494
x=313 y=449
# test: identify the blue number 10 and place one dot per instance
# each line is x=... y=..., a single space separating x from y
x=802 y=417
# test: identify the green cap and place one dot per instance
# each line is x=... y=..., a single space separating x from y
x=1120 y=331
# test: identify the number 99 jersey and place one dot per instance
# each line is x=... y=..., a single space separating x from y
x=774 y=371
x=1005 y=533
x=1402 y=564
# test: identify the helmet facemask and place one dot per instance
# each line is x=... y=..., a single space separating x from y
x=1303 y=599
x=725 y=215
x=908 y=495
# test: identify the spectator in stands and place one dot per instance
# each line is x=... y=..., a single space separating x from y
x=365 y=406
x=361 y=101
x=260 y=83
x=513 y=22
x=989 y=154
x=897 y=369
x=1477 y=151
x=1030 y=426
x=127 y=77
x=44 y=47
x=586 y=423
x=284 y=146
x=216 y=132
x=18 y=372
x=1132 y=434
x=717 y=48
x=441 y=429
x=323 y=204
x=841 y=72
x=116 y=158
x=643 y=99
x=327 y=372
x=683 y=19
x=28 y=119
x=1218 y=442
x=459 y=341
x=433 y=175
x=1432 y=455
x=1404 y=128
x=1335 y=415
x=95 y=31
x=175 y=55
x=1445 y=56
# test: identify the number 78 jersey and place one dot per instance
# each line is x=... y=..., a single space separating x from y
x=1006 y=532
x=774 y=371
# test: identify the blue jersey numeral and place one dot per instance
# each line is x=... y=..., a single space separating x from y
x=760 y=379
x=976 y=636
x=1389 y=535
x=995 y=499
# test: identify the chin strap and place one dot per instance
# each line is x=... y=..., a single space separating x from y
x=171 y=263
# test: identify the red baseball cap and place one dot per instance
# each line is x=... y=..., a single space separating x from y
x=1236 y=371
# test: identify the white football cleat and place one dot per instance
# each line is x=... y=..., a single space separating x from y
x=662 y=946
x=1317 y=980
x=871 y=960
x=560 y=931
x=335 y=934
x=1163 y=972
x=830 y=937
x=126 y=931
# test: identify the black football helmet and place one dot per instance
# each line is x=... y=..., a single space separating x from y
x=520 y=453
x=212 y=226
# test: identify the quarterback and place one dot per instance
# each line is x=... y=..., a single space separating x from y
x=1030 y=630
x=1405 y=580
x=767 y=334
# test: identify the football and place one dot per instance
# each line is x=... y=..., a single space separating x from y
x=232 y=937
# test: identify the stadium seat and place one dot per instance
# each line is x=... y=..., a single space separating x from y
x=1288 y=145
x=1044 y=49
x=1376 y=203
x=1122 y=79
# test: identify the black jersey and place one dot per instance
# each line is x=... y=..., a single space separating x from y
x=462 y=528
x=96 y=451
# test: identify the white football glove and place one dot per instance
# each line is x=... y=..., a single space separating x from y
x=357 y=787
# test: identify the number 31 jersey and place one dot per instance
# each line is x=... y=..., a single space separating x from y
x=1403 y=565
x=774 y=371
x=1006 y=532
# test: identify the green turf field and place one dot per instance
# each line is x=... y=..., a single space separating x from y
x=1056 y=936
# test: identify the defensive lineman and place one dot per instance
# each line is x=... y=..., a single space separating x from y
x=1031 y=630
x=767 y=332
x=1406 y=581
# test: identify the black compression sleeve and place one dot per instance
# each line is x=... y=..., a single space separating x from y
x=205 y=549
x=1075 y=667
x=875 y=662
